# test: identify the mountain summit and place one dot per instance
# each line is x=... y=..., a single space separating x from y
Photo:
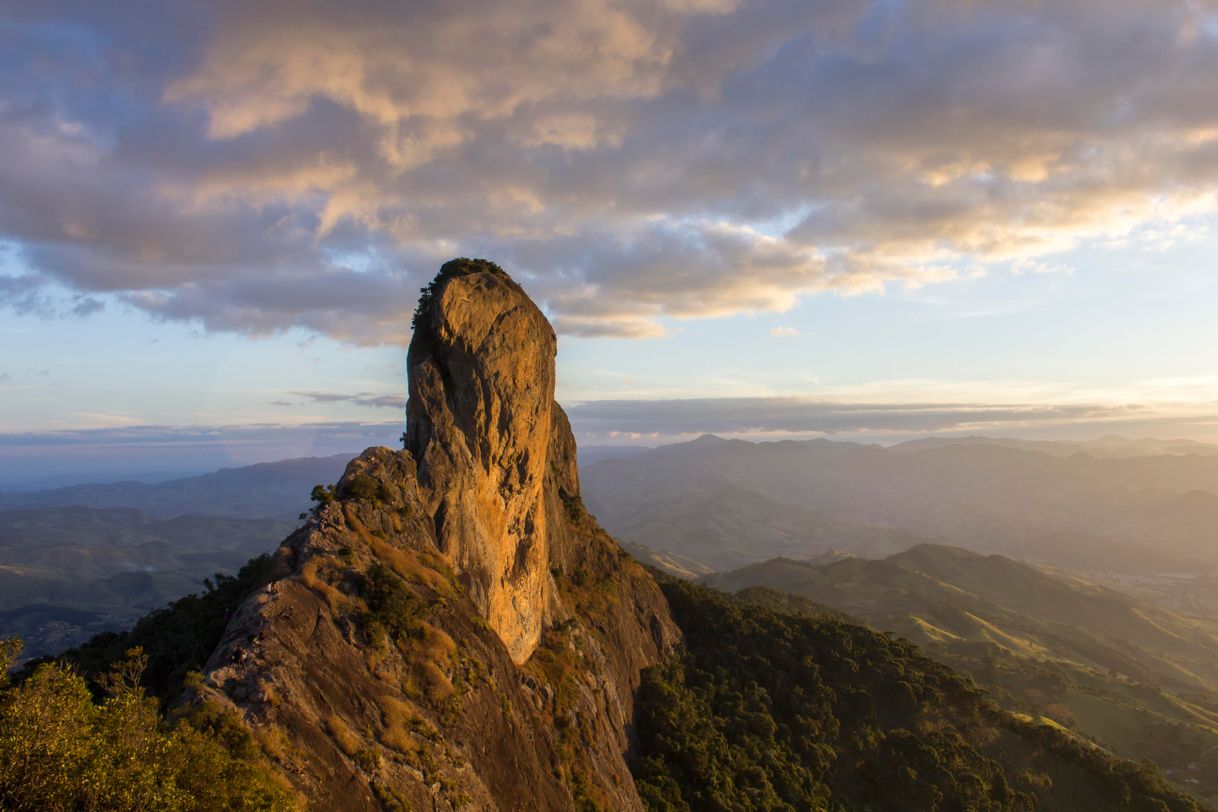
x=451 y=629
x=481 y=371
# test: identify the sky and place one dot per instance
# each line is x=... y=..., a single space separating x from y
x=769 y=218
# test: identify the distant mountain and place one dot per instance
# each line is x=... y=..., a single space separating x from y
x=1141 y=680
x=596 y=453
x=1052 y=448
x=25 y=485
x=88 y=558
x=677 y=566
x=67 y=573
x=761 y=500
x=277 y=489
x=725 y=526
x=1112 y=446
x=1083 y=552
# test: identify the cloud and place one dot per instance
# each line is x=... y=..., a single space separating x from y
x=263 y=166
x=796 y=415
x=107 y=454
x=784 y=332
x=137 y=450
x=169 y=436
x=1036 y=266
x=25 y=294
x=86 y=306
x=360 y=399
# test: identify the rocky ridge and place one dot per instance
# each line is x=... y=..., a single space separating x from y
x=451 y=629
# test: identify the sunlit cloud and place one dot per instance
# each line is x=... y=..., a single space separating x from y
x=289 y=167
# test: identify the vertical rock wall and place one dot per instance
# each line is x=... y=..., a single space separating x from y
x=481 y=369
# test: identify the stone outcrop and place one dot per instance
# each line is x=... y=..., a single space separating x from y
x=481 y=371
x=451 y=629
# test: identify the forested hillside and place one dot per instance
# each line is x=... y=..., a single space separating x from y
x=1140 y=680
x=776 y=704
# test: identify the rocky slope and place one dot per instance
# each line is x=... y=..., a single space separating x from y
x=451 y=629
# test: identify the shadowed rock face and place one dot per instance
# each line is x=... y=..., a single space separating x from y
x=481 y=369
x=453 y=630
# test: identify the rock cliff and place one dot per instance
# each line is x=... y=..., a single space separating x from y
x=481 y=371
x=450 y=629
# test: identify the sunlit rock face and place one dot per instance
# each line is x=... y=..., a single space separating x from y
x=386 y=664
x=481 y=370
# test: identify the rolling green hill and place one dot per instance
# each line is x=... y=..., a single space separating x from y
x=776 y=704
x=1140 y=680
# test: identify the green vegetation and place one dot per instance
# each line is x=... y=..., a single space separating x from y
x=393 y=608
x=364 y=488
x=320 y=496
x=175 y=640
x=454 y=267
x=768 y=708
x=60 y=749
x=1136 y=679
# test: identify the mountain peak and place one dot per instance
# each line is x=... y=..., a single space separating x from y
x=448 y=602
x=481 y=380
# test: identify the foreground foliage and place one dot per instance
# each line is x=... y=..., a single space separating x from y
x=769 y=708
x=59 y=749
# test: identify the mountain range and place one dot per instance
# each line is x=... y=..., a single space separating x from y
x=84 y=559
x=1139 y=679
x=1105 y=514
x=451 y=628
x=277 y=490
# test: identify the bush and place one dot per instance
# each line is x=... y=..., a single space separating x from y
x=59 y=749
x=392 y=606
x=364 y=488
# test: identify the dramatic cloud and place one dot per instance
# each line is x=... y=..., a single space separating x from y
x=258 y=166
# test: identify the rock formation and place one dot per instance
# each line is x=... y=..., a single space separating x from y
x=451 y=629
x=481 y=371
